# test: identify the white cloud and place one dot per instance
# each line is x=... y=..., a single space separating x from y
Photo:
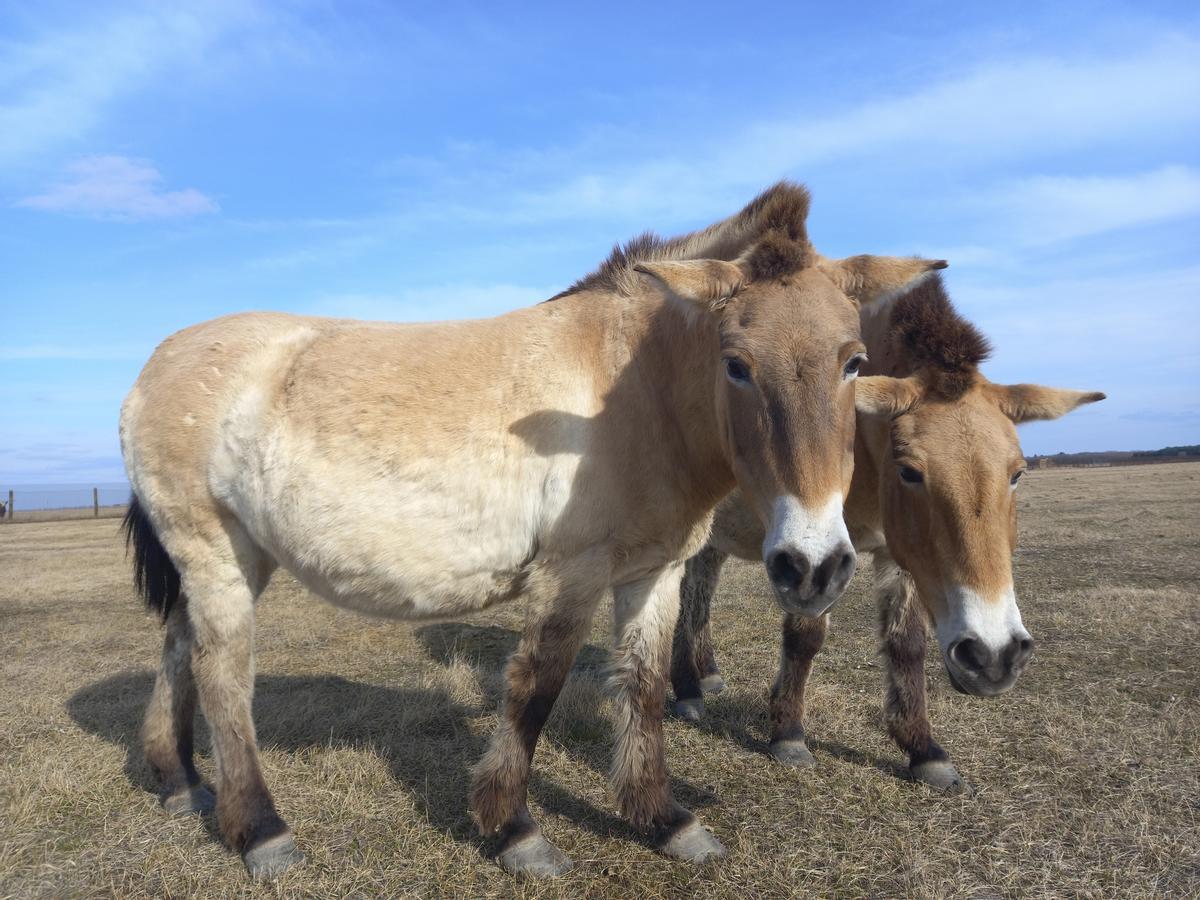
x=1045 y=209
x=60 y=83
x=116 y=187
x=1013 y=110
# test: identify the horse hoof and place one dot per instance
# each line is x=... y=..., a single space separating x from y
x=693 y=843
x=712 y=684
x=193 y=800
x=272 y=858
x=941 y=775
x=536 y=856
x=792 y=753
x=690 y=710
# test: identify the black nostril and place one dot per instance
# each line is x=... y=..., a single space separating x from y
x=834 y=571
x=971 y=654
x=1019 y=652
x=786 y=570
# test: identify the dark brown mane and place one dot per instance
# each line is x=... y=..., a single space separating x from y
x=769 y=232
x=929 y=332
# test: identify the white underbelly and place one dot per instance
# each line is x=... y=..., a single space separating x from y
x=441 y=537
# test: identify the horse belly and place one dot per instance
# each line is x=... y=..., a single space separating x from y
x=442 y=538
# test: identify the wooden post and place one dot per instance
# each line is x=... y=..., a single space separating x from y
x=96 y=502
x=10 y=506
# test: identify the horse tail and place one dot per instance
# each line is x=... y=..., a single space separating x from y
x=154 y=574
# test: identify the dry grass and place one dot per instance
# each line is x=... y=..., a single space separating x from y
x=1086 y=775
x=62 y=515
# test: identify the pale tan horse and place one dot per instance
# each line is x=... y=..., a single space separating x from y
x=936 y=468
x=552 y=454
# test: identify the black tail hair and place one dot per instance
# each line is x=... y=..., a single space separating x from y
x=154 y=575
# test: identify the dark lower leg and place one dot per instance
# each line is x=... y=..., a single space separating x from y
x=168 y=725
x=902 y=641
x=692 y=656
x=645 y=614
x=802 y=639
x=535 y=675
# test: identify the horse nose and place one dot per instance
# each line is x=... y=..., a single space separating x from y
x=989 y=668
x=807 y=589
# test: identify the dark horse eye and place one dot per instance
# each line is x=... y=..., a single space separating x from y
x=855 y=363
x=909 y=475
x=736 y=369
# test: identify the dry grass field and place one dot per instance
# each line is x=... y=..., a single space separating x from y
x=65 y=514
x=1086 y=776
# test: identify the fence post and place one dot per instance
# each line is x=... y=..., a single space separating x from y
x=10 y=505
x=96 y=502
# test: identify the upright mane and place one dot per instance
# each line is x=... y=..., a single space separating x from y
x=928 y=332
x=770 y=233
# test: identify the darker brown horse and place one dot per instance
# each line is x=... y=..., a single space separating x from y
x=933 y=499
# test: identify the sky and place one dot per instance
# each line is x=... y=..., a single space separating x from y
x=162 y=164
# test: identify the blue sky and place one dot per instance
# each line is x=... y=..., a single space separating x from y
x=162 y=164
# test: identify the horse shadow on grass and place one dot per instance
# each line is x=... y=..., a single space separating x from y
x=722 y=720
x=584 y=733
x=423 y=734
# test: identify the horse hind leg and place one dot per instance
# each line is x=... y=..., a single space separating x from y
x=168 y=725
x=903 y=640
x=220 y=572
x=693 y=666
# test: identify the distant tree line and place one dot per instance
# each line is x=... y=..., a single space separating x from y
x=1116 y=457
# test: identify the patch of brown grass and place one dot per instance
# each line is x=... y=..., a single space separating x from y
x=1086 y=775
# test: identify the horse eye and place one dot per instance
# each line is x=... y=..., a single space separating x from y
x=1016 y=477
x=852 y=367
x=909 y=475
x=737 y=370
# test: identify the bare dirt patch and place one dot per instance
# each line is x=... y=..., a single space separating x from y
x=1087 y=777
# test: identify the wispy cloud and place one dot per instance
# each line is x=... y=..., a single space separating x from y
x=1054 y=208
x=116 y=187
x=61 y=82
x=1018 y=109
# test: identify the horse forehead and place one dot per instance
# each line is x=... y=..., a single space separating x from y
x=968 y=433
x=800 y=312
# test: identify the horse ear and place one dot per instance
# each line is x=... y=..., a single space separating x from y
x=876 y=279
x=879 y=395
x=1027 y=402
x=705 y=282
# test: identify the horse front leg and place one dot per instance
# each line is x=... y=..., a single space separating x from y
x=802 y=640
x=535 y=675
x=170 y=718
x=645 y=613
x=693 y=667
x=903 y=639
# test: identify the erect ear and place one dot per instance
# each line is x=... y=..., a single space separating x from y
x=874 y=279
x=1026 y=402
x=705 y=282
x=879 y=395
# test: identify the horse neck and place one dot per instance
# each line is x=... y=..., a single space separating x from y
x=675 y=354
